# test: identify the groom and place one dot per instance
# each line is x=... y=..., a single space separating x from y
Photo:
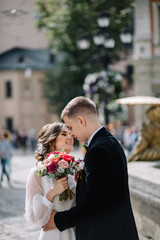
x=103 y=209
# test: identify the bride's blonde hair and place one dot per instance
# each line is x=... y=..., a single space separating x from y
x=48 y=134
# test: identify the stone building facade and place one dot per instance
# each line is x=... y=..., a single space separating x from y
x=146 y=56
x=19 y=28
x=21 y=92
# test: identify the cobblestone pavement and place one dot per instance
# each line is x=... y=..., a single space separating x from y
x=13 y=225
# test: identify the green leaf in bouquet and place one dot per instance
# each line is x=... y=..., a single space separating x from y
x=52 y=175
x=60 y=170
x=44 y=172
x=57 y=174
x=73 y=164
x=69 y=171
x=39 y=173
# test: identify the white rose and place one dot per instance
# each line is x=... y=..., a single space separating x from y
x=78 y=169
x=40 y=166
x=81 y=165
x=51 y=156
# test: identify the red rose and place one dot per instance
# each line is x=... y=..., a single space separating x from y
x=52 y=168
x=49 y=154
x=67 y=157
x=56 y=152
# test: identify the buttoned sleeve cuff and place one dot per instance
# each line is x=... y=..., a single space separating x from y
x=46 y=202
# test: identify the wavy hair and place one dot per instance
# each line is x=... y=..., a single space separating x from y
x=47 y=134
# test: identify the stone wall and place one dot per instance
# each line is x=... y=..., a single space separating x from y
x=144 y=182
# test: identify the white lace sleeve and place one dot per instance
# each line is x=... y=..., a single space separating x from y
x=37 y=207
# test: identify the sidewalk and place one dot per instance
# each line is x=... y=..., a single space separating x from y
x=12 y=201
x=13 y=225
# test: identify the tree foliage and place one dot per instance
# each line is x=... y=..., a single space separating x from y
x=68 y=20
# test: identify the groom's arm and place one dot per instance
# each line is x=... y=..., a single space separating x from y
x=50 y=224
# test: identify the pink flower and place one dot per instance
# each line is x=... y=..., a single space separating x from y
x=41 y=166
x=47 y=162
x=63 y=164
x=52 y=168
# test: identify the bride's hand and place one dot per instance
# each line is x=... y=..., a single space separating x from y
x=60 y=185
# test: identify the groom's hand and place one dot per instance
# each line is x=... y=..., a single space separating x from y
x=50 y=225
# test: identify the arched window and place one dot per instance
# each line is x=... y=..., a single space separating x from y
x=8 y=89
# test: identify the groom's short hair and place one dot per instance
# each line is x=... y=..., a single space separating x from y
x=79 y=106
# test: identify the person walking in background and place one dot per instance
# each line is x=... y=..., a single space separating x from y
x=23 y=139
x=8 y=136
x=5 y=153
x=32 y=137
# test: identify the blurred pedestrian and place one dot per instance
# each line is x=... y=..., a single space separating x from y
x=23 y=139
x=8 y=136
x=129 y=138
x=32 y=136
x=5 y=153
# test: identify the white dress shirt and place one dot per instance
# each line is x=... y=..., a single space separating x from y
x=89 y=140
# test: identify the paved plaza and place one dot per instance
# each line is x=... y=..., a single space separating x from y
x=12 y=222
x=13 y=225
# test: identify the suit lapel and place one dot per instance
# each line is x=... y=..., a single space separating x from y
x=81 y=182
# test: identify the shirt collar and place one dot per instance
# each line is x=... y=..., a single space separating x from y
x=90 y=139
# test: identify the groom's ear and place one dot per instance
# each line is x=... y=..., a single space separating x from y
x=82 y=120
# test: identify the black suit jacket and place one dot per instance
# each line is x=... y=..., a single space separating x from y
x=103 y=209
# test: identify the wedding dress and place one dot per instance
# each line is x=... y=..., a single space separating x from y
x=38 y=208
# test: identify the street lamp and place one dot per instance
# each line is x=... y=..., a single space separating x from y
x=98 y=38
x=101 y=36
x=126 y=37
x=83 y=43
x=103 y=20
x=103 y=40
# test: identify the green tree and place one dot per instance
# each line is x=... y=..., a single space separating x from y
x=66 y=21
x=60 y=85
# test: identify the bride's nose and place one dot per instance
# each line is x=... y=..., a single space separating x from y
x=70 y=135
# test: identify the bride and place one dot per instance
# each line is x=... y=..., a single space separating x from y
x=42 y=193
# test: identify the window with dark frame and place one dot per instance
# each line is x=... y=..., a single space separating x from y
x=8 y=89
x=9 y=124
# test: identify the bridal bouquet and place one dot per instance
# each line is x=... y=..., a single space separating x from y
x=57 y=165
x=77 y=166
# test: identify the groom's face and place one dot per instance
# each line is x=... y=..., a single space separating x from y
x=76 y=128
